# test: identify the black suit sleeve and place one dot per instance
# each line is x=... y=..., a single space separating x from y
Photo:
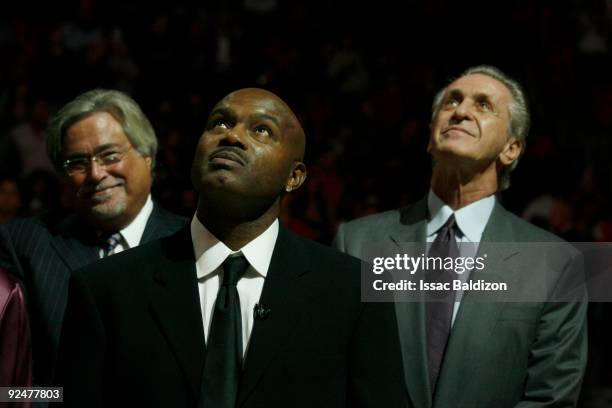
x=376 y=376
x=81 y=362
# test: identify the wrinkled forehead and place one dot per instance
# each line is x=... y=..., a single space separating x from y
x=480 y=85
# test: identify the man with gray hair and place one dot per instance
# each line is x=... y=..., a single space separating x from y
x=456 y=351
x=104 y=147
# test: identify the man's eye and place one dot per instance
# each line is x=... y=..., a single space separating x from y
x=77 y=162
x=451 y=102
x=220 y=123
x=484 y=106
x=263 y=130
x=110 y=157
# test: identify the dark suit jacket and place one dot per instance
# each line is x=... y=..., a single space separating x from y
x=499 y=354
x=133 y=333
x=42 y=252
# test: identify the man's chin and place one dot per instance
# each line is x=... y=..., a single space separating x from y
x=106 y=210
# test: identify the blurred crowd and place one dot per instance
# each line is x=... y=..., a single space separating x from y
x=361 y=79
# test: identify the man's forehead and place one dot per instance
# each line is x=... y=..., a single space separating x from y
x=253 y=100
x=97 y=129
x=256 y=102
x=479 y=84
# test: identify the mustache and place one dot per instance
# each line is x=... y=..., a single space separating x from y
x=231 y=151
x=92 y=188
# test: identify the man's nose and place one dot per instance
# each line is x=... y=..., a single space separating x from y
x=462 y=111
x=96 y=171
x=235 y=137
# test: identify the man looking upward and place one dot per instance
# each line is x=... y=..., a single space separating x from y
x=234 y=310
x=469 y=354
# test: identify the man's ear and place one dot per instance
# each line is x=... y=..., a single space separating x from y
x=511 y=152
x=296 y=177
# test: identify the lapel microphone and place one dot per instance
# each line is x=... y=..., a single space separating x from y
x=260 y=312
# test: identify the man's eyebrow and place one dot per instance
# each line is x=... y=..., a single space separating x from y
x=482 y=97
x=96 y=150
x=223 y=111
x=454 y=93
x=265 y=116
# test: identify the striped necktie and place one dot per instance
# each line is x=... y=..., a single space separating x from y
x=111 y=243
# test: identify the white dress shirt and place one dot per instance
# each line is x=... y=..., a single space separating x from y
x=210 y=253
x=470 y=220
x=132 y=234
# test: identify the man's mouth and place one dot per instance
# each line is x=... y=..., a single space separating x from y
x=226 y=157
x=452 y=129
x=99 y=192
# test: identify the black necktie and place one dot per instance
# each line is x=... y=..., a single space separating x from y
x=224 y=347
x=439 y=312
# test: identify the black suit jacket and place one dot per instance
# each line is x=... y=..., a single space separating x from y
x=42 y=252
x=133 y=332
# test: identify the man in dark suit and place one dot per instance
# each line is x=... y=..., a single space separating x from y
x=104 y=147
x=465 y=353
x=235 y=310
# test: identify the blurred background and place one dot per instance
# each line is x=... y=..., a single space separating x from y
x=361 y=78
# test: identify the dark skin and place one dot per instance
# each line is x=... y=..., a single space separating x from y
x=250 y=153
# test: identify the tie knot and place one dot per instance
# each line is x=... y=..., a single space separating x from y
x=450 y=227
x=448 y=231
x=450 y=223
x=111 y=242
x=233 y=268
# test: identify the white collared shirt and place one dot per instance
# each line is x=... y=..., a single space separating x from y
x=471 y=221
x=210 y=253
x=132 y=234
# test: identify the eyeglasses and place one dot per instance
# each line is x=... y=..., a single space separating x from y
x=108 y=157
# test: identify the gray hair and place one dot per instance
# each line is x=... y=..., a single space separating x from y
x=124 y=109
x=518 y=111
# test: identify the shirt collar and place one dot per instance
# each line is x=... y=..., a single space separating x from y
x=470 y=219
x=132 y=234
x=210 y=253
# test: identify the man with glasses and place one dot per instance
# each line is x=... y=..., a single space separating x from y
x=105 y=148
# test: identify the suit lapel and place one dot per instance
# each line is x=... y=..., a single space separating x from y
x=411 y=315
x=161 y=223
x=156 y=226
x=175 y=305
x=475 y=321
x=289 y=262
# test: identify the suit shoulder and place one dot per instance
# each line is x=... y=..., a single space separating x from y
x=324 y=253
x=162 y=223
x=174 y=221
x=527 y=232
x=21 y=225
x=121 y=266
x=34 y=228
x=373 y=223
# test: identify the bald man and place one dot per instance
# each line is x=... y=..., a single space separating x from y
x=234 y=310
